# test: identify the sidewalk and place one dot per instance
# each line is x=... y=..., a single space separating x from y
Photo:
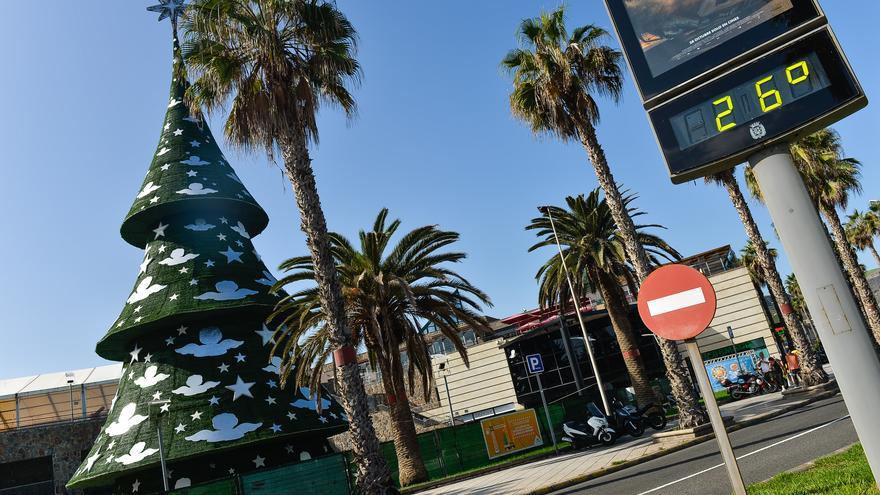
x=591 y=463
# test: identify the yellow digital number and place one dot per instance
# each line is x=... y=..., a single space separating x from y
x=728 y=101
x=802 y=65
x=763 y=96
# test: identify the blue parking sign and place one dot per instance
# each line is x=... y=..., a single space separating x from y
x=535 y=363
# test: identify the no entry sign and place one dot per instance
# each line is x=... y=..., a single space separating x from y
x=677 y=302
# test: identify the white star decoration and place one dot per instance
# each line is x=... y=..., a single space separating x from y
x=181 y=330
x=275 y=428
x=180 y=428
x=239 y=358
x=241 y=388
x=270 y=401
x=214 y=401
x=232 y=255
x=160 y=231
x=196 y=415
x=259 y=461
x=223 y=367
x=135 y=353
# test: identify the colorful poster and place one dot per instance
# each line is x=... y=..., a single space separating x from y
x=511 y=433
x=673 y=31
x=729 y=367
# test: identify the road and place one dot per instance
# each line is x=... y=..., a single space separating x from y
x=779 y=444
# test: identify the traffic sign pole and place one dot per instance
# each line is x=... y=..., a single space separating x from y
x=715 y=418
x=547 y=413
x=826 y=292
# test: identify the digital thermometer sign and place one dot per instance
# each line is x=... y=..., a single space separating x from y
x=799 y=88
x=745 y=103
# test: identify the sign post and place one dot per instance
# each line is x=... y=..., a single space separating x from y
x=735 y=353
x=536 y=367
x=677 y=302
x=728 y=82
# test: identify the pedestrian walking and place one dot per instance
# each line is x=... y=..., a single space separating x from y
x=777 y=373
x=793 y=363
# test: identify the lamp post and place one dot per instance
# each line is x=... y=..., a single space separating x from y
x=577 y=309
x=69 y=375
x=157 y=409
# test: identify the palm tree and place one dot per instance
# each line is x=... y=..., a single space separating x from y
x=860 y=230
x=555 y=78
x=761 y=263
x=276 y=62
x=388 y=290
x=829 y=178
x=750 y=259
x=797 y=297
x=594 y=251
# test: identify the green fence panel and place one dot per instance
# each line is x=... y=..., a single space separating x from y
x=323 y=476
x=221 y=487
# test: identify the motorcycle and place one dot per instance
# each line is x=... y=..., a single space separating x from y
x=625 y=419
x=653 y=415
x=593 y=431
x=748 y=384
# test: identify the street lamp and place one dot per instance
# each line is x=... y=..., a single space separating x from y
x=156 y=410
x=69 y=375
x=547 y=211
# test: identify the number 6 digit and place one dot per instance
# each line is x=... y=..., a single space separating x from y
x=724 y=113
x=764 y=95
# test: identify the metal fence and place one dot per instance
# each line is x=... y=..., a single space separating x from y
x=327 y=475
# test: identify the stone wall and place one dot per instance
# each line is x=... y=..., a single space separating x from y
x=65 y=442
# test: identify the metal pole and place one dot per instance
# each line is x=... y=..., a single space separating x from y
x=715 y=417
x=162 y=454
x=837 y=318
x=70 y=391
x=572 y=359
x=547 y=413
x=577 y=311
x=738 y=362
x=449 y=401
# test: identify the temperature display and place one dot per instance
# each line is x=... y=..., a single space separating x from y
x=770 y=92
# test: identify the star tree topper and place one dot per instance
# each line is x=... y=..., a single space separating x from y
x=169 y=8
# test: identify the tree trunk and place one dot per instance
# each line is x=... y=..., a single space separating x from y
x=618 y=313
x=811 y=369
x=410 y=465
x=851 y=263
x=690 y=412
x=373 y=477
x=873 y=250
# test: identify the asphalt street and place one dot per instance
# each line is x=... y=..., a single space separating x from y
x=777 y=445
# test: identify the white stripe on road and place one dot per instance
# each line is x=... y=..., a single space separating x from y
x=673 y=302
x=793 y=437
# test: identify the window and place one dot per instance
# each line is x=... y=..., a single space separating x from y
x=30 y=477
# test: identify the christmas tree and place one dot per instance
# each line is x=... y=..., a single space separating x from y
x=197 y=375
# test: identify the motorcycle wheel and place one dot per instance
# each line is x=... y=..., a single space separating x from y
x=606 y=438
x=771 y=388
x=736 y=395
x=657 y=421
x=635 y=429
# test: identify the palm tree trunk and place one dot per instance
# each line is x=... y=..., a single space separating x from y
x=411 y=468
x=690 y=412
x=373 y=477
x=851 y=263
x=618 y=312
x=811 y=370
x=873 y=250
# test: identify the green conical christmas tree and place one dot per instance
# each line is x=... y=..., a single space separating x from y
x=192 y=333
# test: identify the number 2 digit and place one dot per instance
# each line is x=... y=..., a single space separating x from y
x=728 y=102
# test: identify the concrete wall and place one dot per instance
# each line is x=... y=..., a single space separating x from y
x=65 y=442
x=486 y=384
x=739 y=306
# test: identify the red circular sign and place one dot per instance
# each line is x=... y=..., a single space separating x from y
x=677 y=302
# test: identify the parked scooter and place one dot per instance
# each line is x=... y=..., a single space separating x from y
x=625 y=420
x=593 y=431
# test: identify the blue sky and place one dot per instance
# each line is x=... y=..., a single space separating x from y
x=83 y=94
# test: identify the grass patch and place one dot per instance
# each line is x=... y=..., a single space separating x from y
x=846 y=473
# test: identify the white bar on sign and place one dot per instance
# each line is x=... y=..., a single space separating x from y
x=677 y=301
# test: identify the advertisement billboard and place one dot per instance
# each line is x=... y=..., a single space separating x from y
x=511 y=433
x=729 y=367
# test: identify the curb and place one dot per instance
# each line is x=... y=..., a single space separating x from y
x=623 y=465
x=808 y=465
x=628 y=464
